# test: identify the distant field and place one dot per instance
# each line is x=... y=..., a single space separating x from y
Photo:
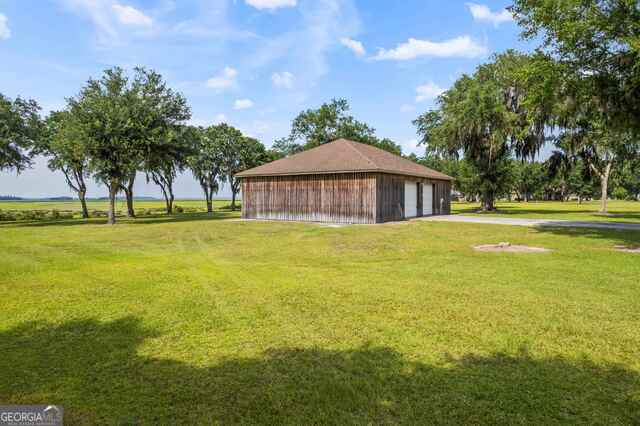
x=102 y=204
x=619 y=211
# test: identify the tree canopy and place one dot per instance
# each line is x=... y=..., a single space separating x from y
x=591 y=78
x=206 y=161
x=168 y=158
x=331 y=121
x=66 y=146
x=598 y=41
x=483 y=117
x=124 y=120
x=239 y=153
x=20 y=129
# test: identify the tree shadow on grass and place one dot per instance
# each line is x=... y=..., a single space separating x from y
x=96 y=371
x=140 y=220
x=524 y=210
x=628 y=238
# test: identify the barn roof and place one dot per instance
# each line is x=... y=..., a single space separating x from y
x=343 y=156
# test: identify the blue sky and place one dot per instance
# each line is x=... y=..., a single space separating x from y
x=252 y=63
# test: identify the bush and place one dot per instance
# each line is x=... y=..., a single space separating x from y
x=620 y=193
x=7 y=215
x=178 y=209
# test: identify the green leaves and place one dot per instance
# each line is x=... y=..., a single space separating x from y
x=126 y=118
x=125 y=121
x=20 y=131
x=598 y=42
x=327 y=123
x=485 y=116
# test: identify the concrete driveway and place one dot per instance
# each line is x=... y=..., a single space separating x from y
x=533 y=222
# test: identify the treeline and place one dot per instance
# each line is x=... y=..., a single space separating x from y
x=539 y=181
x=580 y=91
x=118 y=126
x=121 y=125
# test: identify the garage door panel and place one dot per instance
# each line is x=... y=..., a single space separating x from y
x=427 y=200
x=410 y=199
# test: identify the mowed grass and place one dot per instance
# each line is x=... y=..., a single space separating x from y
x=103 y=205
x=619 y=211
x=197 y=320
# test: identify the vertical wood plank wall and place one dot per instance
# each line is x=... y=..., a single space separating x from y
x=441 y=197
x=389 y=197
x=339 y=198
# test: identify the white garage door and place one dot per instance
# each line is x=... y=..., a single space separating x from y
x=427 y=199
x=410 y=199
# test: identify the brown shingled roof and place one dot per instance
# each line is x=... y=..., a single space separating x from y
x=343 y=156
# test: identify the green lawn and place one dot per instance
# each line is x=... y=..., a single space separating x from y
x=619 y=211
x=192 y=319
x=102 y=204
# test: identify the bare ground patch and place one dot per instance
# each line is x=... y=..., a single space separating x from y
x=626 y=249
x=510 y=248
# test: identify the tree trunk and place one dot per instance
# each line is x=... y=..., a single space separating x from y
x=604 y=185
x=129 y=195
x=233 y=200
x=171 y=197
x=167 y=194
x=168 y=199
x=83 y=202
x=113 y=192
x=128 y=192
x=208 y=195
x=487 y=202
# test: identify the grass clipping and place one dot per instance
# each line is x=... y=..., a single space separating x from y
x=510 y=248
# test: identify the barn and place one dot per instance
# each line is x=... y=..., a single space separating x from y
x=344 y=182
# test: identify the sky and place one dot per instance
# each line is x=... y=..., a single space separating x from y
x=254 y=64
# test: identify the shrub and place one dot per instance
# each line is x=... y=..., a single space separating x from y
x=7 y=215
x=178 y=209
x=620 y=193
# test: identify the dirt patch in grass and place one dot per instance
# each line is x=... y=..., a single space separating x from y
x=626 y=249
x=510 y=248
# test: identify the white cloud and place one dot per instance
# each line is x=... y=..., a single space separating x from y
x=282 y=79
x=271 y=4
x=354 y=45
x=225 y=80
x=407 y=108
x=5 y=32
x=114 y=22
x=303 y=49
x=100 y=14
x=428 y=91
x=482 y=13
x=462 y=46
x=129 y=15
x=242 y=104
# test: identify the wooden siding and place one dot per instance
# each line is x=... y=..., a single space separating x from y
x=389 y=197
x=441 y=197
x=339 y=198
